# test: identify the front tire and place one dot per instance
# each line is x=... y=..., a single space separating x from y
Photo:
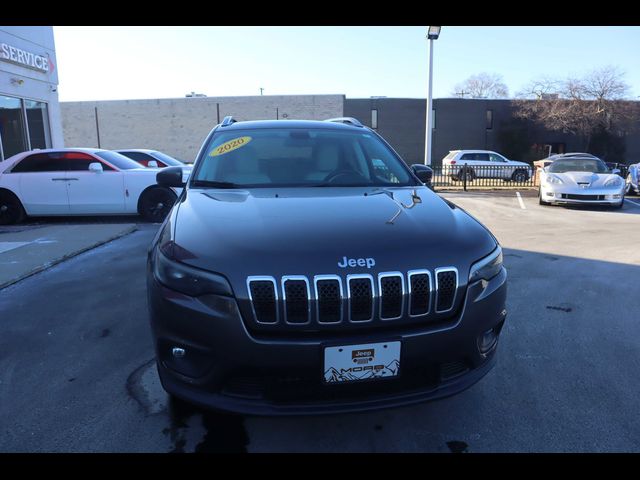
x=11 y=209
x=156 y=203
x=540 y=201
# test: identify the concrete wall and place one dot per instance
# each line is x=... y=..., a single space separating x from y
x=179 y=126
x=462 y=124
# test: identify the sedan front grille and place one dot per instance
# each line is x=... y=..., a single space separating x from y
x=577 y=196
x=360 y=299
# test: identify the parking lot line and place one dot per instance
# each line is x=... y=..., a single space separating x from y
x=520 y=200
x=631 y=201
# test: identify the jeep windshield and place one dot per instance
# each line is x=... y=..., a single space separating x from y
x=298 y=157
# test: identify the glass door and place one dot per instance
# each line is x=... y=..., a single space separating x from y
x=12 y=127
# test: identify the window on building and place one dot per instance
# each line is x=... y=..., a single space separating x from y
x=38 y=124
x=433 y=119
x=24 y=125
x=374 y=118
x=489 y=119
x=12 y=128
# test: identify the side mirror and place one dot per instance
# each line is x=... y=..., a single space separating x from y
x=152 y=164
x=170 y=177
x=423 y=172
x=616 y=171
x=96 y=167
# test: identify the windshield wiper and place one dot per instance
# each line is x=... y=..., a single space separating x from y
x=213 y=184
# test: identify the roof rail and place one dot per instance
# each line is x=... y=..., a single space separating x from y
x=228 y=120
x=353 y=121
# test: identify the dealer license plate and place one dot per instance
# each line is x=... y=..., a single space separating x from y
x=367 y=361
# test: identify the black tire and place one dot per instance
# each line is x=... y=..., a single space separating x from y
x=540 y=201
x=470 y=174
x=629 y=188
x=11 y=210
x=619 y=206
x=156 y=203
x=520 y=176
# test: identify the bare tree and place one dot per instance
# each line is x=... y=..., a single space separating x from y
x=583 y=106
x=482 y=85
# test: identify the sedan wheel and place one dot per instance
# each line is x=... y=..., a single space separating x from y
x=156 y=203
x=11 y=210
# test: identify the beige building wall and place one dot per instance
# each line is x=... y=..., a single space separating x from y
x=179 y=126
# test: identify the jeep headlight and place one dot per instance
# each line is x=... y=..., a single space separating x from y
x=488 y=267
x=614 y=182
x=188 y=280
x=553 y=179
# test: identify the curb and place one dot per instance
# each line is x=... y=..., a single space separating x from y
x=52 y=263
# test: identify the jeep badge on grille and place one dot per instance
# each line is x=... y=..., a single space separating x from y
x=357 y=262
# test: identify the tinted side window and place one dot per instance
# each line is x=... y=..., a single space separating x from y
x=468 y=156
x=138 y=157
x=496 y=158
x=40 y=162
x=482 y=157
x=79 y=162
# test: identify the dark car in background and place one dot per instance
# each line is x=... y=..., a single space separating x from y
x=307 y=269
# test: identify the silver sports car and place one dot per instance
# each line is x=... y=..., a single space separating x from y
x=581 y=180
x=633 y=180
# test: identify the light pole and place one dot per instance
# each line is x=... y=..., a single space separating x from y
x=432 y=34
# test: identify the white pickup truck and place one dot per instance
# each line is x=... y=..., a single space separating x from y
x=484 y=164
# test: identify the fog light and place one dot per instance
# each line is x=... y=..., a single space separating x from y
x=487 y=341
x=617 y=196
x=178 y=352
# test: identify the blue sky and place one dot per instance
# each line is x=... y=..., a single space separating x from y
x=107 y=63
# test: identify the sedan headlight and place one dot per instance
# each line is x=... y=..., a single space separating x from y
x=554 y=179
x=488 y=267
x=614 y=182
x=188 y=280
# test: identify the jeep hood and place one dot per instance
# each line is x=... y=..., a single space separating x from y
x=308 y=231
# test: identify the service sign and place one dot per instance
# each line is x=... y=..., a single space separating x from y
x=11 y=54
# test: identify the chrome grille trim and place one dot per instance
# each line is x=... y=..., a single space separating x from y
x=284 y=298
x=263 y=278
x=318 y=278
x=455 y=291
x=410 y=274
x=373 y=295
x=381 y=298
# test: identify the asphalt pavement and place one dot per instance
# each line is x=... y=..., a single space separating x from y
x=77 y=372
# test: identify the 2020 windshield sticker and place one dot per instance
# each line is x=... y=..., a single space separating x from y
x=229 y=146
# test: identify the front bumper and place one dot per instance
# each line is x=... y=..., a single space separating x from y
x=572 y=196
x=227 y=367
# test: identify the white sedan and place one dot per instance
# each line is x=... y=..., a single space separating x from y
x=581 y=180
x=79 y=181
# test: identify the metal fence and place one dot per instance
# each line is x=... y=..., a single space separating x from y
x=466 y=177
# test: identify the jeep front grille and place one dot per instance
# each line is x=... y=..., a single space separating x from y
x=359 y=298
x=296 y=297
x=360 y=295
x=446 y=286
x=264 y=299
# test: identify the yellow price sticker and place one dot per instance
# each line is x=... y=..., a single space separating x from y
x=229 y=146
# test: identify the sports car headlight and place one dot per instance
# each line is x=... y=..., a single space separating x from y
x=188 y=280
x=614 y=182
x=554 y=179
x=488 y=267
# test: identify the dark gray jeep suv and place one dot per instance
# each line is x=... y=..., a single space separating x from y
x=306 y=269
